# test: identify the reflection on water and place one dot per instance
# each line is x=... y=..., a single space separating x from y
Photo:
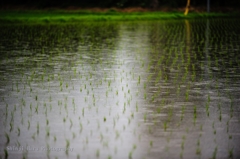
x=165 y=89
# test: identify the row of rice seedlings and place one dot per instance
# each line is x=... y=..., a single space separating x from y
x=88 y=93
x=187 y=96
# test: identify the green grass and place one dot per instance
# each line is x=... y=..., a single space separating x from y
x=82 y=15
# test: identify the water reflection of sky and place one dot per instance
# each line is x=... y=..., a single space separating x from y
x=134 y=94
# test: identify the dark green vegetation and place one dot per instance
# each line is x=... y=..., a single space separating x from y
x=81 y=16
x=117 y=3
x=149 y=89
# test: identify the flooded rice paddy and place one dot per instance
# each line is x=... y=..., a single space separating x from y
x=135 y=90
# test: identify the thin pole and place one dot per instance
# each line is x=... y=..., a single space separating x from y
x=187 y=7
x=208 y=6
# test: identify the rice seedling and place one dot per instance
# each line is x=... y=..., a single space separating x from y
x=230 y=153
x=145 y=117
x=54 y=138
x=181 y=154
x=34 y=136
x=47 y=131
x=209 y=99
x=36 y=109
x=5 y=153
x=47 y=121
x=28 y=124
x=11 y=126
x=215 y=131
x=215 y=152
x=7 y=138
x=83 y=112
x=145 y=96
x=187 y=130
x=187 y=95
x=97 y=153
x=198 y=151
x=22 y=121
x=37 y=127
x=151 y=143
x=198 y=142
x=182 y=145
x=18 y=129
x=165 y=126
x=130 y=155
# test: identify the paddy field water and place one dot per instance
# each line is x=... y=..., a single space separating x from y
x=115 y=90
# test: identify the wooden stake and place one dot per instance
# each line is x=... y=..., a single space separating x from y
x=187 y=7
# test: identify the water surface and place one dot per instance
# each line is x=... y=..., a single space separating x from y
x=162 y=89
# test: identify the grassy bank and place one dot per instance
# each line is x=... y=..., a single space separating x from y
x=110 y=15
